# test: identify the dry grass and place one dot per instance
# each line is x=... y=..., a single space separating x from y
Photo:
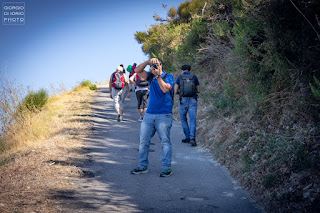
x=44 y=158
x=269 y=143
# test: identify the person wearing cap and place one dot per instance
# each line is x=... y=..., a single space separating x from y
x=158 y=117
x=132 y=85
x=188 y=103
x=118 y=85
x=124 y=70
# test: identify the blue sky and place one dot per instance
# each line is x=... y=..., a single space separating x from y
x=67 y=41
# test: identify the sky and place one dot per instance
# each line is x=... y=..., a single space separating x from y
x=63 y=42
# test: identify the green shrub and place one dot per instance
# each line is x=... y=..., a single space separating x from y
x=3 y=145
x=269 y=180
x=315 y=89
x=85 y=83
x=221 y=30
x=36 y=100
x=93 y=87
x=198 y=33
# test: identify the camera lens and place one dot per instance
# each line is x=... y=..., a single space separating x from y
x=154 y=66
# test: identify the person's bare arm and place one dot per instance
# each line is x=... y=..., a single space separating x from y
x=127 y=85
x=176 y=88
x=198 y=89
x=165 y=87
x=140 y=70
x=131 y=79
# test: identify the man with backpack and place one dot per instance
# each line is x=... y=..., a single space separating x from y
x=187 y=85
x=158 y=117
x=117 y=83
x=124 y=70
x=142 y=93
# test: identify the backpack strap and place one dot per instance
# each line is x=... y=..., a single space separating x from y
x=164 y=77
x=150 y=76
x=113 y=74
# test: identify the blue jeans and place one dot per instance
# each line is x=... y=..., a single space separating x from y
x=162 y=124
x=188 y=105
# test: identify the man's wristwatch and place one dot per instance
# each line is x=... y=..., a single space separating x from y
x=157 y=76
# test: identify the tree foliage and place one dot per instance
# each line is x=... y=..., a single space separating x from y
x=172 y=13
x=265 y=56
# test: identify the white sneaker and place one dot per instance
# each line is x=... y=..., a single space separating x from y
x=121 y=117
x=140 y=119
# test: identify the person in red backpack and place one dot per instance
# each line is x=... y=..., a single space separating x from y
x=124 y=70
x=142 y=93
x=117 y=83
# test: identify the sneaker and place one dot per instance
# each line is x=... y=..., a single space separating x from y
x=138 y=170
x=193 y=142
x=121 y=118
x=140 y=119
x=166 y=173
x=187 y=140
x=118 y=117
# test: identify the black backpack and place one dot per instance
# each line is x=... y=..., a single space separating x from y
x=141 y=82
x=187 y=85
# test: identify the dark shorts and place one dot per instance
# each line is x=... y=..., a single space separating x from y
x=142 y=98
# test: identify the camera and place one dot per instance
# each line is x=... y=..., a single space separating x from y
x=155 y=66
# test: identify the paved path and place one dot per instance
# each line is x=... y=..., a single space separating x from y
x=198 y=183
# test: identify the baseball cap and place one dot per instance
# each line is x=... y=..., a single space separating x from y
x=119 y=68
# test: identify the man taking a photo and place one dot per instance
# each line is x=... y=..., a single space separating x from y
x=158 y=116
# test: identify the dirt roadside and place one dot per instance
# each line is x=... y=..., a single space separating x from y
x=37 y=176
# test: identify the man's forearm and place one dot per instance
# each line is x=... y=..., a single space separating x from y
x=165 y=87
x=141 y=67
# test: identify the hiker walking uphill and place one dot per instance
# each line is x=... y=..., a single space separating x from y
x=187 y=85
x=131 y=73
x=142 y=93
x=117 y=83
x=158 y=117
x=124 y=70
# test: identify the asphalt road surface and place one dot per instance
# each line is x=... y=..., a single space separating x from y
x=198 y=183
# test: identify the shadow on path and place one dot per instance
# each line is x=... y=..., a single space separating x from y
x=198 y=183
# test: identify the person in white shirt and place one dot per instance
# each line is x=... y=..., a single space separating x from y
x=142 y=93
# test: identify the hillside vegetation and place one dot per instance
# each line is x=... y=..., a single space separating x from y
x=259 y=70
x=41 y=149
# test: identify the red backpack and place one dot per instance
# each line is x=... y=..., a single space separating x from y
x=118 y=80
